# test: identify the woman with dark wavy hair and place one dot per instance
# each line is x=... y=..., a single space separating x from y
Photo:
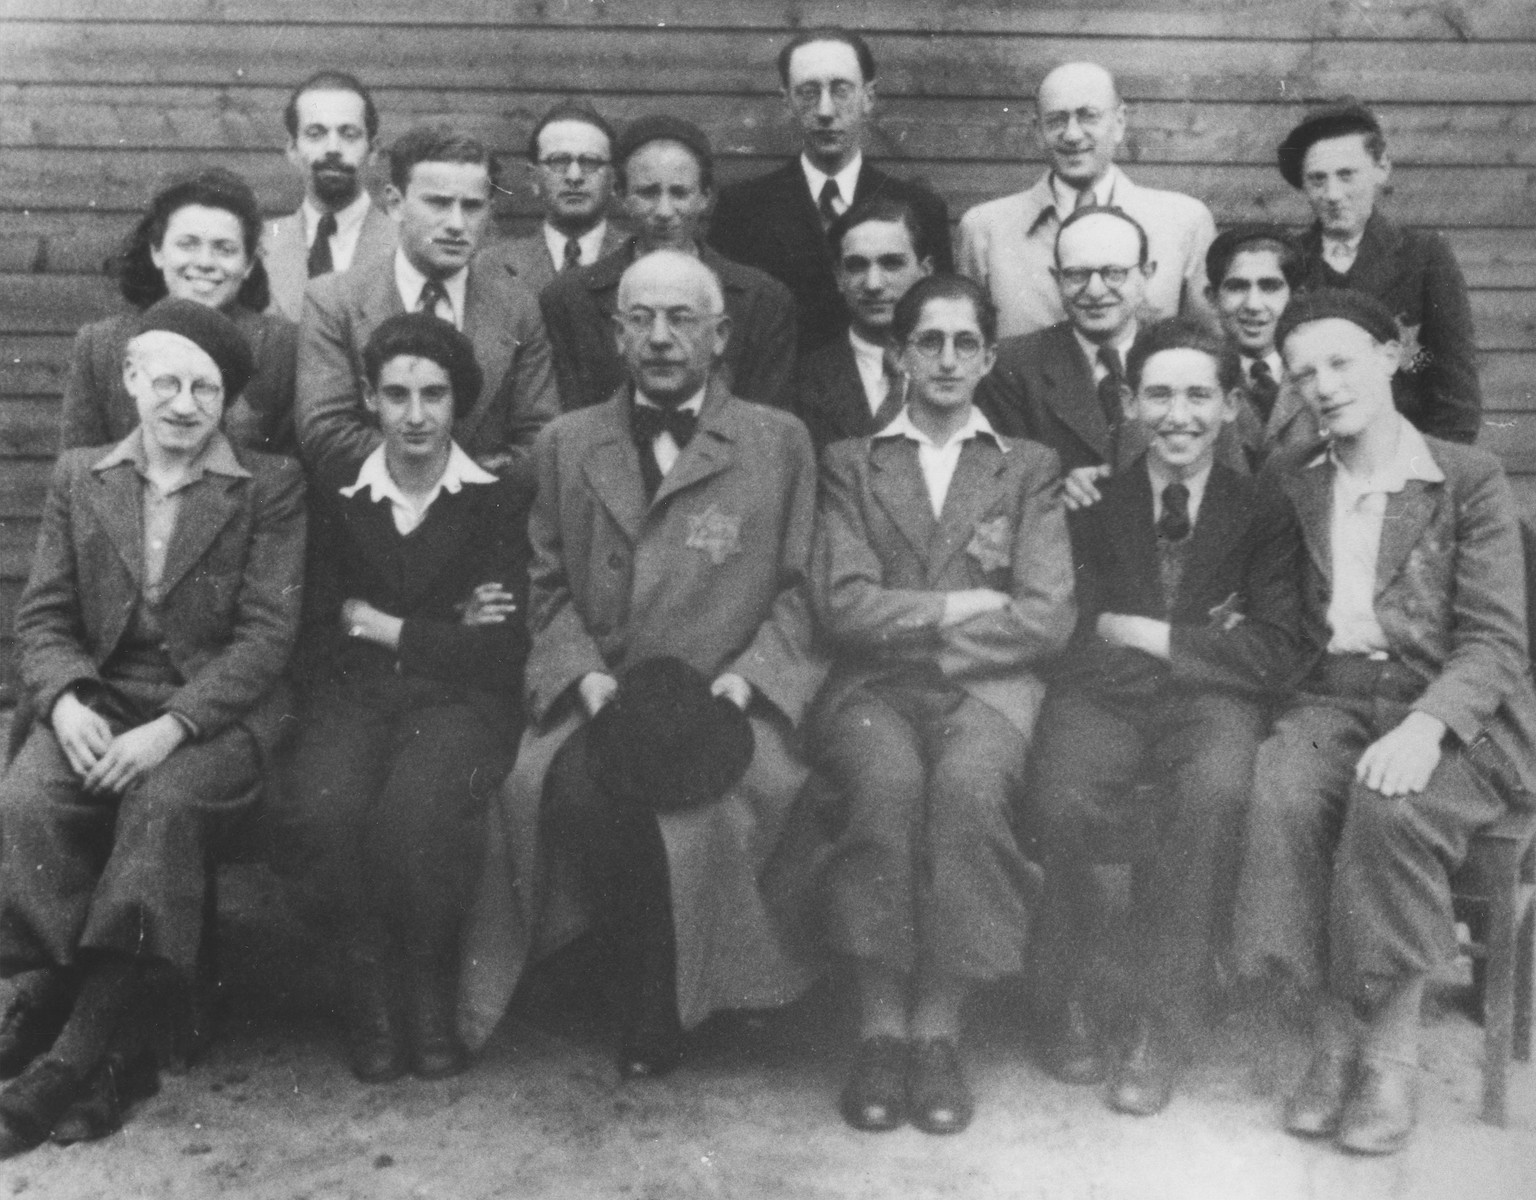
x=197 y=241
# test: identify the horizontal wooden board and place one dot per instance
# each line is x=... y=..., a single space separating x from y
x=710 y=60
x=29 y=428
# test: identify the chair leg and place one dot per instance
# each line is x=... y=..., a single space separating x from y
x=1499 y=999
x=1525 y=951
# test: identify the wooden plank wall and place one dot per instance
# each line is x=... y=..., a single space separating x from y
x=101 y=100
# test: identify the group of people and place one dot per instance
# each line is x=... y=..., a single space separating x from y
x=753 y=592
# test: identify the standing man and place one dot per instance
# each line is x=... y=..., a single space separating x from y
x=1006 y=244
x=1337 y=157
x=667 y=181
x=571 y=150
x=674 y=520
x=438 y=197
x=1413 y=730
x=852 y=387
x=778 y=222
x=332 y=124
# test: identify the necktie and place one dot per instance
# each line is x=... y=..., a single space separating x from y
x=826 y=203
x=1262 y=388
x=1084 y=199
x=1173 y=529
x=572 y=255
x=320 y=249
x=1111 y=385
x=647 y=423
x=433 y=294
x=1174 y=523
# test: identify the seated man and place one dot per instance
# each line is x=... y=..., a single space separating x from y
x=672 y=521
x=153 y=633
x=413 y=651
x=1409 y=734
x=1187 y=575
x=927 y=718
x=849 y=387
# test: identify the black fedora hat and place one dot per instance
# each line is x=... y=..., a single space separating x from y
x=664 y=743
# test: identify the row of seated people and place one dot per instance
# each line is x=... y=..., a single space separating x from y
x=691 y=624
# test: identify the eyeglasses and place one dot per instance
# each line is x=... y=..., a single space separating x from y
x=204 y=391
x=642 y=320
x=930 y=344
x=1058 y=120
x=841 y=91
x=1075 y=279
x=559 y=164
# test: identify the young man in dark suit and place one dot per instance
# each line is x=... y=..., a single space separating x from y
x=778 y=222
x=1187 y=576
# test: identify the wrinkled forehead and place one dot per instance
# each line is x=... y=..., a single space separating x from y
x=161 y=352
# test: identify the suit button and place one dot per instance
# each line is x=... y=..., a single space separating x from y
x=615 y=560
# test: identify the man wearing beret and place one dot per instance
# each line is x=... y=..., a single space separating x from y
x=1337 y=156
x=1414 y=727
x=666 y=180
x=674 y=520
x=153 y=633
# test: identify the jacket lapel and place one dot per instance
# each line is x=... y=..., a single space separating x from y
x=1408 y=514
x=206 y=507
x=1071 y=395
x=1128 y=513
x=612 y=469
x=1223 y=513
x=708 y=452
x=898 y=487
x=970 y=495
x=116 y=502
x=1311 y=492
x=485 y=323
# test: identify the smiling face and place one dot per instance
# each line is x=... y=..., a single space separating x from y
x=876 y=268
x=831 y=101
x=1081 y=122
x=414 y=404
x=1101 y=245
x=331 y=146
x=574 y=174
x=1341 y=180
x=440 y=216
x=1181 y=407
x=202 y=256
x=1251 y=298
x=1344 y=374
x=671 y=326
x=946 y=356
x=178 y=392
x=664 y=197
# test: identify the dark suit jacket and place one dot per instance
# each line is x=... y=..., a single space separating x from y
x=527 y=258
x=97 y=408
x=233 y=580
x=578 y=311
x=829 y=396
x=1415 y=275
x=771 y=223
x=501 y=319
x=1245 y=558
x=476 y=535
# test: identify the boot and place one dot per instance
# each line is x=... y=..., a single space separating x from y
x=375 y=1049
x=432 y=1027
x=39 y=1005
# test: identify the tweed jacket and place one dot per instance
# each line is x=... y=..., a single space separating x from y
x=97 y=408
x=883 y=564
x=1450 y=592
x=1414 y=273
x=578 y=312
x=527 y=258
x=501 y=320
x=830 y=399
x=285 y=251
x=771 y=223
x=1008 y=245
x=232 y=586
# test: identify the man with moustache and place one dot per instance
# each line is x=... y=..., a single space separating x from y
x=778 y=222
x=332 y=124
x=438 y=198
x=1006 y=245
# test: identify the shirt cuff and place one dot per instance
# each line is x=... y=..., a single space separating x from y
x=187 y=723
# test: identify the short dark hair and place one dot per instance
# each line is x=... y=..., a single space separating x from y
x=909 y=309
x=881 y=208
x=331 y=81
x=569 y=110
x=142 y=283
x=1183 y=333
x=662 y=127
x=1103 y=210
x=438 y=142
x=828 y=33
x=1232 y=242
x=421 y=335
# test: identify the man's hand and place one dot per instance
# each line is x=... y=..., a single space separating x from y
x=1079 y=488
x=1146 y=634
x=133 y=754
x=734 y=688
x=963 y=606
x=83 y=733
x=489 y=604
x=1402 y=761
x=595 y=690
x=361 y=620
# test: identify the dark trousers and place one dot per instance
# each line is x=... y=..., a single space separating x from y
x=926 y=873
x=126 y=873
x=1341 y=882
x=1090 y=753
x=383 y=814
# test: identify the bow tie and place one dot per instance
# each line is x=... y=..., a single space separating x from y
x=649 y=423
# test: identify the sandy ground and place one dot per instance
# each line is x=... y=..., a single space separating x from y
x=273 y=1113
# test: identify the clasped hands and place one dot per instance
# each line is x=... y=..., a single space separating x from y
x=108 y=763
x=489 y=604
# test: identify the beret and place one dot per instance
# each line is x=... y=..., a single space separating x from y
x=660 y=127
x=1345 y=304
x=214 y=333
x=1335 y=120
x=1224 y=249
x=421 y=335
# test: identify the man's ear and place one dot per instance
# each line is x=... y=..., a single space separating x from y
x=393 y=199
x=370 y=397
x=1229 y=407
x=722 y=334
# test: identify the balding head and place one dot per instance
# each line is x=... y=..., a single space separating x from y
x=1081 y=121
x=671 y=325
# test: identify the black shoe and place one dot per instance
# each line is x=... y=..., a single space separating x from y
x=1143 y=1082
x=375 y=1049
x=36 y=1013
x=32 y=1103
x=1317 y=1105
x=1073 y=1053
x=1379 y=1115
x=875 y=1097
x=98 y=1111
x=432 y=1028
x=938 y=1100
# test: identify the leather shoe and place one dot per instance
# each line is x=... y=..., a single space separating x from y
x=38 y=1010
x=1144 y=1079
x=98 y=1111
x=1072 y=1053
x=1317 y=1104
x=938 y=1100
x=32 y=1102
x=875 y=1096
x=1379 y=1115
x=374 y=1049
x=436 y=1051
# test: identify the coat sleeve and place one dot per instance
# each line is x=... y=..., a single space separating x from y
x=556 y=303
x=335 y=434
x=768 y=366
x=971 y=254
x=83 y=411
x=1192 y=301
x=1452 y=396
x=528 y=398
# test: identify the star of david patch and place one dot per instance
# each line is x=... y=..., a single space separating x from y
x=716 y=533
x=989 y=544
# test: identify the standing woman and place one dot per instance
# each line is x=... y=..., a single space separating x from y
x=197 y=242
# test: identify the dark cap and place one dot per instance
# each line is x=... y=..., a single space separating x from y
x=214 y=333
x=1346 y=304
x=661 y=127
x=1335 y=120
x=421 y=335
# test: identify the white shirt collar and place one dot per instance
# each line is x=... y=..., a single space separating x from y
x=1161 y=478
x=591 y=243
x=693 y=404
x=1412 y=459
x=1065 y=195
x=1272 y=360
x=348 y=220
x=869 y=360
x=976 y=425
x=408 y=512
x=847 y=178
x=410 y=281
